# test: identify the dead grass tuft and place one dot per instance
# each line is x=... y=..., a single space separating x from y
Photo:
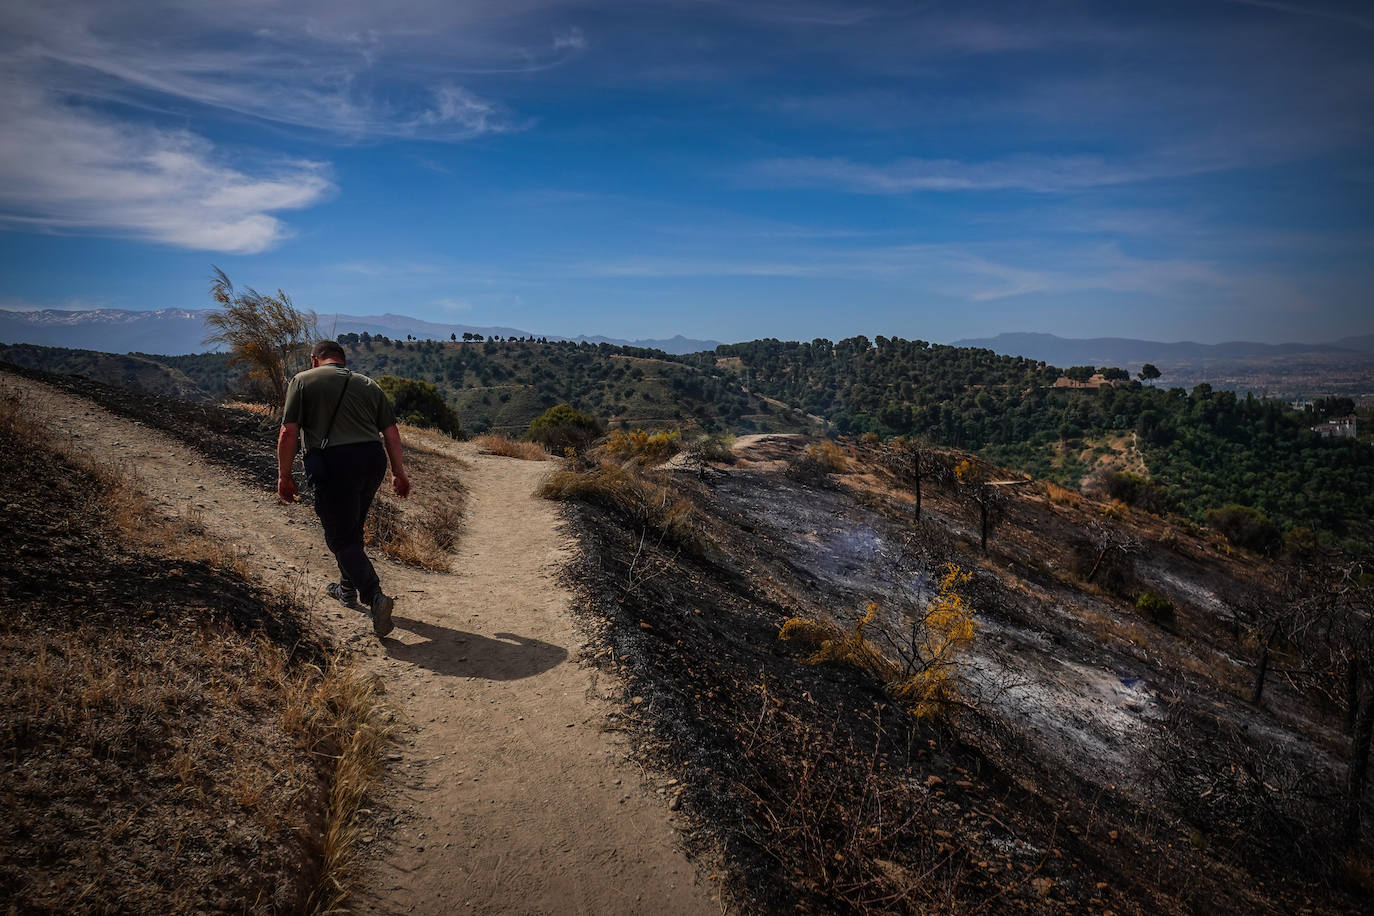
x=625 y=489
x=835 y=818
x=829 y=455
x=424 y=529
x=1059 y=496
x=424 y=534
x=265 y=411
x=426 y=441
x=506 y=447
x=641 y=447
x=345 y=720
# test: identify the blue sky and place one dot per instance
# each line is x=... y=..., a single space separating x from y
x=731 y=170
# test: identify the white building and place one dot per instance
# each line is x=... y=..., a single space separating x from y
x=1336 y=428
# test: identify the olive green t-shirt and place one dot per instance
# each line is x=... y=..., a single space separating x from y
x=312 y=394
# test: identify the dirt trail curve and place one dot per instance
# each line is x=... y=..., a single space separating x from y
x=512 y=797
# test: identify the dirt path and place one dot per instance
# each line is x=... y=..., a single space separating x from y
x=511 y=795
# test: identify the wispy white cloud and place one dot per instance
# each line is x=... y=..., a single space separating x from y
x=64 y=167
x=455 y=109
x=96 y=101
x=571 y=39
x=350 y=71
x=1040 y=174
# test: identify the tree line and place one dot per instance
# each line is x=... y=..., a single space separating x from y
x=1205 y=449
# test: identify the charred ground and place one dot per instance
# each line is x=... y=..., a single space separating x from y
x=1103 y=759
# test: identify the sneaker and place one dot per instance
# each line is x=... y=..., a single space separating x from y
x=381 y=614
x=342 y=593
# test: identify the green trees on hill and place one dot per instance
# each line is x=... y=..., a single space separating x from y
x=503 y=385
x=1205 y=449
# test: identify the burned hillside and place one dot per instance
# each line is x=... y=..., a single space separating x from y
x=1099 y=751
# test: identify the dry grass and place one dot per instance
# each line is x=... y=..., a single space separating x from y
x=424 y=529
x=838 y=819
x=506 y=447
x=641 y=447
x=346 y=721
x=125 y=739
x=829 y=455
x=426 y=441
x=116 y=498
x=425 y=536
x=818 y=461
x=167 y=755
x=265 y=411
x=646 y=503
x=1060 y=496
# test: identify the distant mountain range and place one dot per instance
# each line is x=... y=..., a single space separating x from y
x=1129 y=353
x=180 y=331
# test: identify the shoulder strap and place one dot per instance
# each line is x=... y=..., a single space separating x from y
x=324 y=440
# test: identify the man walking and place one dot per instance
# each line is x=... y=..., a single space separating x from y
x=349 y=428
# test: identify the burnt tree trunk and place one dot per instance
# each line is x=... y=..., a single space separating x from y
x=983 y=524
x=1101 y=555
x=1352 y=694
x=1357 y=777
x=918 y=491
x=1262 y=669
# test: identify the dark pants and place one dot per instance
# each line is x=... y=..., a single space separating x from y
x=343 y=494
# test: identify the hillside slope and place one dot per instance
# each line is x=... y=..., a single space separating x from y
x=1096 y=758
x=128 y=371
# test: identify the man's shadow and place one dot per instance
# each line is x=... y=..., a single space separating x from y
x=506 y=657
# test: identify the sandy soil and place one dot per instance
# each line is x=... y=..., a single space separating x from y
x=511 y=794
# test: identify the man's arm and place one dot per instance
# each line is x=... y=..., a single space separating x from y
x=391 y=436
x=286 y=454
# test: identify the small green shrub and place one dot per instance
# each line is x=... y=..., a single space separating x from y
x=1159 y=609
x=420 y=404
x=1136 y=491
x=715 y=447
x=1246 y=527
x=563 y=427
